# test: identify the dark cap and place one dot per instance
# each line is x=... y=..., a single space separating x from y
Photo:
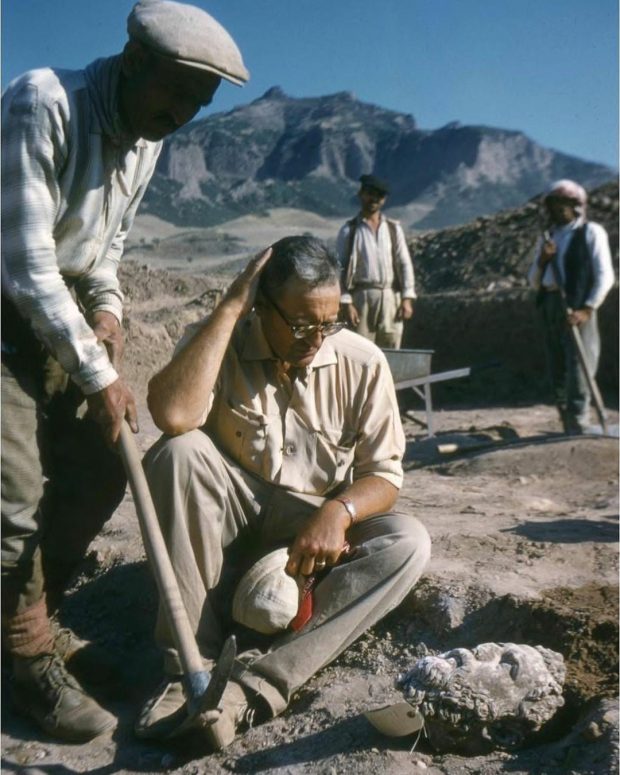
x=370 y=181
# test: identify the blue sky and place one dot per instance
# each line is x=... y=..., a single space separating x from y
x=546 y=67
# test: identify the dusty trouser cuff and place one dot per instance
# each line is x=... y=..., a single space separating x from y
x=29 y=633
x=273 y=700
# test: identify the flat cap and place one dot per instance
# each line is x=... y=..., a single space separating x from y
x=266 y=598
x=188 y=35
x=370 y=181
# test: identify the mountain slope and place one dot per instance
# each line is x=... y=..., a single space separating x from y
x=308 y=153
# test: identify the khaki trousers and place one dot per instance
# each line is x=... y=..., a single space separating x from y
x=205 y=502
x=377 y=308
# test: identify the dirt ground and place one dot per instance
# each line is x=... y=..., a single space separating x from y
x=524 y=524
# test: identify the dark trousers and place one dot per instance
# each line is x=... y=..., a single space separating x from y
x=60 y=482
x=568 y=382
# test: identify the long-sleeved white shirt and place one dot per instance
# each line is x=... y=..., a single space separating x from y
x=598 y=245
x=371 y=260
x=71 y=184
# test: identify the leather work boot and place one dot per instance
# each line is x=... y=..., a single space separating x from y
x=162 y=712
x=44 y=690
x=90 y=663
x=235 y=711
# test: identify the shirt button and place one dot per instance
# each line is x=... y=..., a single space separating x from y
x=237 y=433
x=290 y=449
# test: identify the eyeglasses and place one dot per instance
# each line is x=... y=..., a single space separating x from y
x=306 y=331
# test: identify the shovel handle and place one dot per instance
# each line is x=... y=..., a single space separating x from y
x=157 y=553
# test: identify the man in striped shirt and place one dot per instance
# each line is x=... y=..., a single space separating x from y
x=78 y=150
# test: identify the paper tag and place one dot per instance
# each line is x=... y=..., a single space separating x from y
x=396 y=720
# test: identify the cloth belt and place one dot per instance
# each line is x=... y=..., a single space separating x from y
x=370 y=286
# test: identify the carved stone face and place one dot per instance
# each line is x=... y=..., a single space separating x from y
x=491 y=696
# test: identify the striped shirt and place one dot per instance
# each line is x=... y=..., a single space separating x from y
x=71 y=184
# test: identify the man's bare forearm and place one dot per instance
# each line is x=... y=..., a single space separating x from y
x=179 y=393
x=323 y=536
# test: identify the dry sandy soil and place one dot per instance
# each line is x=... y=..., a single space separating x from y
x=524 y=525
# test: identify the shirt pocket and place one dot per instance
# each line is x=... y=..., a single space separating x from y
x=244 y=434
x=334 y=451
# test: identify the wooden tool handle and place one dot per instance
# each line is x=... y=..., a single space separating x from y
x=157 y=554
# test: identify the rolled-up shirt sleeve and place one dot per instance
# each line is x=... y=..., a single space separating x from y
x=380 y=443
x=33 y=151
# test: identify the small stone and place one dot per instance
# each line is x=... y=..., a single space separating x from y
x=592 y=731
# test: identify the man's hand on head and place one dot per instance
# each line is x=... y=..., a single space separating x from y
x=242 y=291
x=109 y=332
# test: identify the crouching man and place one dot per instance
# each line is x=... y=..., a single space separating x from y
x=282 y=426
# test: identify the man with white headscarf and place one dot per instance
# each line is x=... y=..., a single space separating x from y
x=78 y=150
x=572 y=256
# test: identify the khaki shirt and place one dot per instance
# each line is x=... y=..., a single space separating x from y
x=337 y=420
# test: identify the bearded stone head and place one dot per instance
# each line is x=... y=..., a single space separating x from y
x=493 y=696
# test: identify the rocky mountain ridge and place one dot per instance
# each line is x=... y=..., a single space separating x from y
x=279 y=151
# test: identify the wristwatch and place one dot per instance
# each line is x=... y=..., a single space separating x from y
x=350 y=507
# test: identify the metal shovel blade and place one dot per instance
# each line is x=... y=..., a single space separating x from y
x=209 y=700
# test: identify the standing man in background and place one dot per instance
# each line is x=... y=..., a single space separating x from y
x=573 y=256
x=377 y=273
x=78 y=150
